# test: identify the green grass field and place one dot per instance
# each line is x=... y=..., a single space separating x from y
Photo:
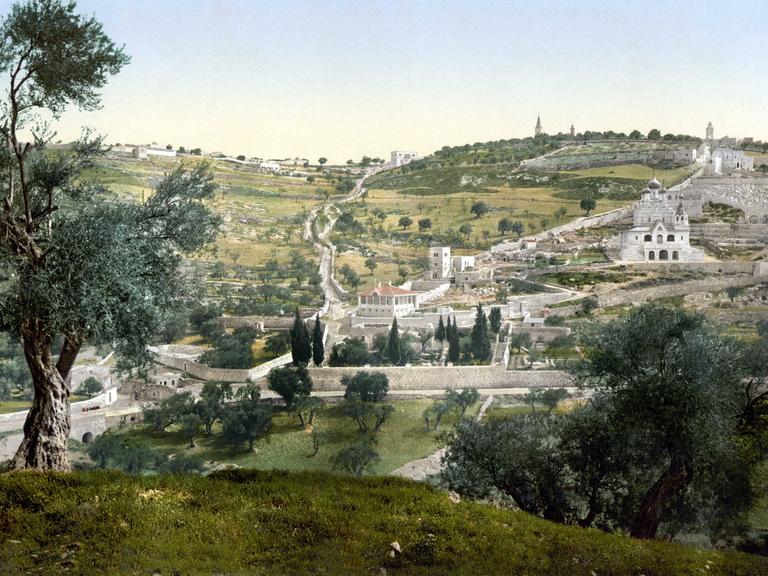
x=266 y=523
x=288 y=447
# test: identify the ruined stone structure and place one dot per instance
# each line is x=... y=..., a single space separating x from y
x=661 y=231
x=748 y=194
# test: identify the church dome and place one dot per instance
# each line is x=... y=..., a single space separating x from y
x=654 y=184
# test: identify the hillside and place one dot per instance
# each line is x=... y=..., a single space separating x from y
x=307 y=523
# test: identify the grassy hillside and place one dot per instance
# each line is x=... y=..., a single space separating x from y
x=308 y=523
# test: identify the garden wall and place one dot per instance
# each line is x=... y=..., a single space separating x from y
x=445 y=377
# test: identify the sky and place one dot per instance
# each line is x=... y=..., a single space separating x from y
x=286 y=78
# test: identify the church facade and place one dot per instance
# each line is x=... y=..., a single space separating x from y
x=660 y=231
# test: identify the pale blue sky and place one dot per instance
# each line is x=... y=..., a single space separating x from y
x=346 y=78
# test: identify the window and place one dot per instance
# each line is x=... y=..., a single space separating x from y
x=651 y=255
x=647 y=238
x=663 y=255
x=675 y=256
x=659 y=239
x=670 y=237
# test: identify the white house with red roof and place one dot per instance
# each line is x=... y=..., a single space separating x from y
x=387 y=301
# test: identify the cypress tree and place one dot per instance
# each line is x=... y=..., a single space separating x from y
x=440 y=332
x=481 y=347
x=494 y=318
x=393 y=344
x=454 y=345
x=301 y=346
x=318 y=348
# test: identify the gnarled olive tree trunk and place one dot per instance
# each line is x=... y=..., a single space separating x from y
x=46 y=429
x=671 y=482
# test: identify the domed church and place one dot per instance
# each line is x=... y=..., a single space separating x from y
x=661 y=232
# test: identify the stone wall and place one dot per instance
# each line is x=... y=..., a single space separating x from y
x=541 y=334
x=445 y=377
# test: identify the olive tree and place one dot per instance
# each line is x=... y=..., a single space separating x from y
x=81 y=269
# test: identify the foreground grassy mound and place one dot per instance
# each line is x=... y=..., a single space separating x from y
x=308 y=523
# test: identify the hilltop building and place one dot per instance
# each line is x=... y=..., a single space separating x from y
x=387 y=301
x=710 y=132
x=661 y=231
x=538 y=130
x=401 y=157
x=443 y=266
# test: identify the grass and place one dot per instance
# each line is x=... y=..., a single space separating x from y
x=10 y=406
x=259 y=523
x=288 y=447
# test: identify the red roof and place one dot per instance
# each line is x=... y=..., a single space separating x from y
x=388 y=290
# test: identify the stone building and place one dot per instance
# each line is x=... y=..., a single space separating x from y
x=538 y=130
x=661 y=231
x=387 y=301
x=401 y=157
x=725 y=160
x=440 y=262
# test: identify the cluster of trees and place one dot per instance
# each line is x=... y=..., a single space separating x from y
x=364 y=397
x=667 y=442
x=478 y=350
x=15 y=380
x=350 y=276
x=233 y=350
x=454 y=402
x=306 y=347
x=135 y=455
x=243 y=417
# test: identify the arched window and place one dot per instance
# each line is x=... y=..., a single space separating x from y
x=663 y=255
x=675 y=255
x=651 y=255
x=659 y=239
x=670 y=237
x=648 y=238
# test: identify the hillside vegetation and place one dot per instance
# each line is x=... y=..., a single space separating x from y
x=238 y=522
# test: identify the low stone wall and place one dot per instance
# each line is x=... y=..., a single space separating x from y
x=263 y=322
x=201 y=371
x=445 y=377
x=541 y=334
x=718 y=267
x=680 y=289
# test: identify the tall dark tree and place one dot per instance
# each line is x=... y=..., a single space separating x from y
x=80 y=268
x=393 y=344
x=481 y=346
x=494 y=319
x=454 y=342
x=301 y=344
x=318 y=348
x=440 y=332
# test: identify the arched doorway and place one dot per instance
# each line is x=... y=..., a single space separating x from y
x=663 y=255
x=651 y=255
x=675 y=255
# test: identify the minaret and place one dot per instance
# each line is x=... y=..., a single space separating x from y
x=573 y=132
x=710 y=132
x=538 y=126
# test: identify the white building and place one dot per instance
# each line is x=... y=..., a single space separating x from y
x=268 y=166
x=727 y=161
x=387 y=301
x=401 y=157
x=462 y=263
x=661 y=231
x=678 y=155
x=142 y=152
x=440 y=262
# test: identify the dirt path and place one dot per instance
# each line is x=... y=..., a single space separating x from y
x=422 y=468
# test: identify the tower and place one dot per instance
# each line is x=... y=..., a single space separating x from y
x=710 y=132
x=538 y=130
x=573 y=132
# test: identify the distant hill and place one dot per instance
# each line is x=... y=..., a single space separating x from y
x=252 y=522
